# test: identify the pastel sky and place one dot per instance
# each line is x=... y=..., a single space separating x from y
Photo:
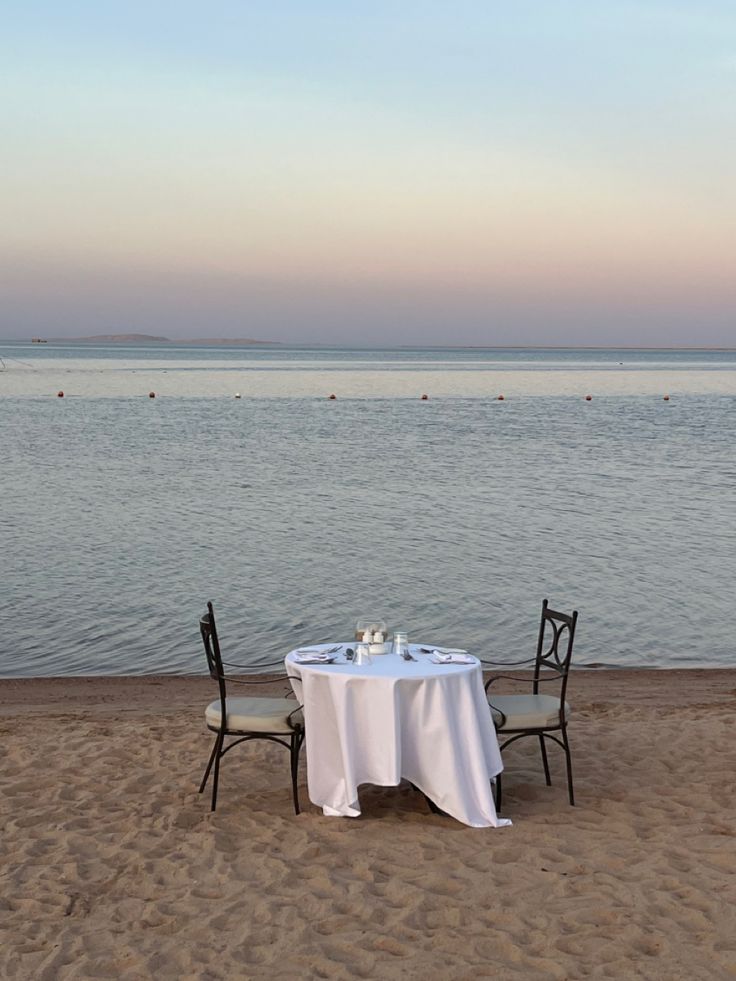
x=477 y=172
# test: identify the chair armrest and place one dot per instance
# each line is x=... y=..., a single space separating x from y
x=507 y=664
x=299 y=707
x=495 y=708
x=253 y=681
x=298 y=725
x=290 y=693
x=509 y=677
x=498 y=677
x=266 y=681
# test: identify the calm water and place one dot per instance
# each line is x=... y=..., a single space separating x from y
x=450 y=518
x=437 y=358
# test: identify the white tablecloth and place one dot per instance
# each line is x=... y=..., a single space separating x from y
x=393 y=719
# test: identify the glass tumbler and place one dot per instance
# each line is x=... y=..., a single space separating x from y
x=401 y=643
x=362 y=657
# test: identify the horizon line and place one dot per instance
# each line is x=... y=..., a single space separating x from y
x=385 y=347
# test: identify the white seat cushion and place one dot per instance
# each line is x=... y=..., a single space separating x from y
x=255 y=715
x=526 y=711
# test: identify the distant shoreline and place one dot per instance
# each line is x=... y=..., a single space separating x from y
x=554 y=347
x=255 y=342
x=153 y=339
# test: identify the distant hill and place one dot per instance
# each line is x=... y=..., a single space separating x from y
x=150 y=338
x=113 y=338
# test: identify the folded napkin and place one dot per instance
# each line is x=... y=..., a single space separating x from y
x=451 y=657
x=313 y=657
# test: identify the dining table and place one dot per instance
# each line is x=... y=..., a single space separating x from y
x=422 y=718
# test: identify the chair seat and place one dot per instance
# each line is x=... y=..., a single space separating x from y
x=255 y=715
x=526 y=711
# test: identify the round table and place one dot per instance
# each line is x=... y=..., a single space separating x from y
x=394 y=719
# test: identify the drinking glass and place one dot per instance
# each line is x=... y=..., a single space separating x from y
x=362 y=656
x=401 y=643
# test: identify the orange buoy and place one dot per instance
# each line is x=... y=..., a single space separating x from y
x=332 y=396
x=60 y=394
x=666 y=398
x=425 y=398
x=152 y=395
x=501 y=398
x=588 y=398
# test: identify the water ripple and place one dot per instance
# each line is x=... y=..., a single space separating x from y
x=451 y=519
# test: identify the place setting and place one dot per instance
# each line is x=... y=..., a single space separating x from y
x=373 y=639
x=322 y=654
x=440 y=655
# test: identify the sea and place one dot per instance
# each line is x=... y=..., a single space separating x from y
x=450 y=517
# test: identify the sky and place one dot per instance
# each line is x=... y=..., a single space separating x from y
x=548 y=172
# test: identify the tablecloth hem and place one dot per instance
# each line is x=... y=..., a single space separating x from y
x=344 y=812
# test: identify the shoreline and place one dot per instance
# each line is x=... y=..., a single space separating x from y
x=659 y=688
x=248 y=342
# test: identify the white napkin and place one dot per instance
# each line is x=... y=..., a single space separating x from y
x=313 y=657
x=451 y=657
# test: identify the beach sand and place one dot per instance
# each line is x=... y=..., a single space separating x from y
x=207 y=379
x=113 y=867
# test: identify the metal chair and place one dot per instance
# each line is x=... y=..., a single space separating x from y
x=275 y=719
x=543 y=716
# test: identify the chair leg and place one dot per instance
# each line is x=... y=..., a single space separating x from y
x=209 y=766
x=428 y=801
x=569 y=768
x=544 y=760
x=218 y=754
x=433 y=807
x=499 y=792
x=296 y=745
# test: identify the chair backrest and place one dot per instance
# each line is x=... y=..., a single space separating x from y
x=554 y=647
x=208 y=630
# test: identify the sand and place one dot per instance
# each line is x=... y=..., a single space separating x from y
x=101 y=378
x=113 y=867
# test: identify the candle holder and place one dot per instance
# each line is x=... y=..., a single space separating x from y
x=373 y=632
